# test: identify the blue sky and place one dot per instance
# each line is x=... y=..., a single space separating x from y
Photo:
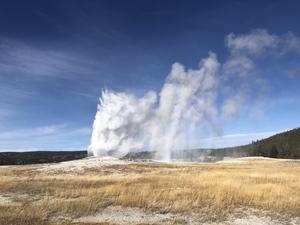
x=56 y=56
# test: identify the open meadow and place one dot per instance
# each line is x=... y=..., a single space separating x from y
x=105 y=191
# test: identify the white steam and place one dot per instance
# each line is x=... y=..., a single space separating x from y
x=188 y=100
x=125 y=123
x=119 y=125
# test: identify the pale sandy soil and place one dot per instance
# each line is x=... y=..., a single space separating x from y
x=5 y=200
x=134 y=216
x=102 y=162
x=12 y=199
x=254 y=159
x=126 y=215
x=81 y=164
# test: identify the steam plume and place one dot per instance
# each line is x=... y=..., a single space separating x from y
x=126 y=123
x=188 y=99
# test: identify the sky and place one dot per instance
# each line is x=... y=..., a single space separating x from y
x=57 y=56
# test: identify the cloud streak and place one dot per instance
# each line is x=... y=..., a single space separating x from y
x=19 y=58
x=231 y=140
x=253 y=43
x=55 y=137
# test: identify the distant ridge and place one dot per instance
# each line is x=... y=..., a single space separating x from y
x=283 y=145
x=21 y=158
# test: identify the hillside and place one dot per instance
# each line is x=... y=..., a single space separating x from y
x=283 y=145
x=21 y=158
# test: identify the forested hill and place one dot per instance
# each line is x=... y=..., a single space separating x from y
x=282 y=145
x=21 y=158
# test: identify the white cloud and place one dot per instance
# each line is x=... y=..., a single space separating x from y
x=247 y=81
x=255 y=42
x=260 y=41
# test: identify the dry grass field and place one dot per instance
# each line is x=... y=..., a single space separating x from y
x=246 y=191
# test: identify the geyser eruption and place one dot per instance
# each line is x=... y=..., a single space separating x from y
x=126 y=123
x=120 y=122
x=190 y=101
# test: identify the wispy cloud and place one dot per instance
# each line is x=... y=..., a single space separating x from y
x=53 y=137
x=231 y=140
x=259 y=41
x=22 y=59
x=19 y=149
x=291 y=43
x=25 y=68
x=8 y=92
x=244 y=52
x=57 y=130
x=31 y=132
x=255 y=42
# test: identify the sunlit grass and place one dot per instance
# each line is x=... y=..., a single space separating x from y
x=176 y=188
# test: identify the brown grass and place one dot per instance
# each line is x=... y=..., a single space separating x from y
x=214 y=190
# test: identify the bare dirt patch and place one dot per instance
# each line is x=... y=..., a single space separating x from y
x=133 y=216
x=126 y=215
x=5 y=200
x=81 y=165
